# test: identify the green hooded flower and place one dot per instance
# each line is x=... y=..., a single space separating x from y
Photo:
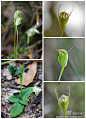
x=63 y=102
x=17 y=18
x=63 y=57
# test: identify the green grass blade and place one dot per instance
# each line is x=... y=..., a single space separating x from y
x=6 y=62
x=74 y=69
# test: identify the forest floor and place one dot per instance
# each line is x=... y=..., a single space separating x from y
x=10 y=87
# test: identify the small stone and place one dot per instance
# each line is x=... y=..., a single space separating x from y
x=30 y=111
x=3 y=102
x=36 y=89
x=4 y=89
x=7 y=74
x=2 y=77
x=26 y=110
x=9 y=109
x=8 y=89
x=37 y=110
x=40 y=77
x=6 y=109
x=12 y=63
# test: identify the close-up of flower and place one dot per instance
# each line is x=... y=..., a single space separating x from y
x=63 y=18
x=63 y=102
x=43 y=59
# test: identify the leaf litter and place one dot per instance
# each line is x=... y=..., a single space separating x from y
x=9 y=87
x=28 y=75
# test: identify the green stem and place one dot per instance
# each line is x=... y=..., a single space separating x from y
x=56 y=93
x=21 y=84
x=17 y=41
x=28 y=41
x=17 y=35
x=14 y=41
x=61 y=33
x=64 y=115
x=22 y=68
x=61 y=73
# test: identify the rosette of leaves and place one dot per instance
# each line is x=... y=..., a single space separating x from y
x=63 y=19
x=63 y=102
x=19 y=103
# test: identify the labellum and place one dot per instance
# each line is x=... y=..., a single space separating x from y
x=63 y=19
x=63 y=102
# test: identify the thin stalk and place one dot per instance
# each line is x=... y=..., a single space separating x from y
x=64 y=115
x=22 y=68
x=61 y=33
x=16 y=44
x=21 y=84
x=17 y=41
x=61 y=73
x=17 y=34
x=70 y=48
x=56 y=93
x=28 y=41
x=14 y=41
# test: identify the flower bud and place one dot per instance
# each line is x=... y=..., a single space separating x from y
x=17 y=18
x=63 y=57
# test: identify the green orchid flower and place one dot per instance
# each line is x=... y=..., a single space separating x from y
x=63 y=19
x=63 y=59
x=63 y=102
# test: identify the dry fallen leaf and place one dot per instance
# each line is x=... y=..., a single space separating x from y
x=29 y=75
x=2 y=107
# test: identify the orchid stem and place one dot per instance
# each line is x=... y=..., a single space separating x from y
x=61 y=73
x=64 y=115
x=17 y=41
x=61 y=33
x=14 y=42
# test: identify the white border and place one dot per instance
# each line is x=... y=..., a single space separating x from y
x=43 y=52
